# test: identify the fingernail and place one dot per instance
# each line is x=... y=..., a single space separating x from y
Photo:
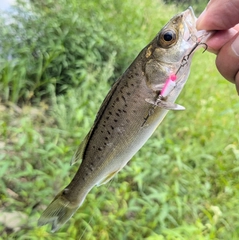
x=235 y=46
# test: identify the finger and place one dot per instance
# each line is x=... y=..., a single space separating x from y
x=227 y=61
x=219 y=15
x=237 y=82
x=220 y=38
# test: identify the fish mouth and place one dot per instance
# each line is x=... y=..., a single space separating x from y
x=191 y=34
x=191 y=42
x=189 y=20
x=193 y=39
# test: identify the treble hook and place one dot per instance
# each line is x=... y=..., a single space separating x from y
x=186 y=57
x=206 y=47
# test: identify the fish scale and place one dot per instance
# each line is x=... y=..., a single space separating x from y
x=130 y=113
x=108 y=137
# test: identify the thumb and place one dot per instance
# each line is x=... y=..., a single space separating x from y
x=219 y=15
x=227 y=61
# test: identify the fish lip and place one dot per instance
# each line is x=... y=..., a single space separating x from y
x=191 y=34
x=189 y=45
x=189 y=20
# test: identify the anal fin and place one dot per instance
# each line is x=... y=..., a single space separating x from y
x=107 y=178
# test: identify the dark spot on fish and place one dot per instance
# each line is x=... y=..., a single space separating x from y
x=132 y=85
x=119 y=110
x=110 y=113
x=100 y=149
x=108 y=132
x=117 y=99
x=117 y=114
x=112 y=127
x=115 y=120
x=106 y=138
x=124 y=111
x=65 y=191
x=107 y=118
x=91 y=167
x=123 y=98
x=128 y=93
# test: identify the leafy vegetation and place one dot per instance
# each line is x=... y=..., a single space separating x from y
x=51 y=47
x=198 y=5
x=183 y=184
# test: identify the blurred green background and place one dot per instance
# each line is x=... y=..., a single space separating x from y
x=57 y=63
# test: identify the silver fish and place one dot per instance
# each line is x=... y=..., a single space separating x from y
x=130 y=113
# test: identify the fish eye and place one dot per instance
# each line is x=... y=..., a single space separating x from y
x=167 y=38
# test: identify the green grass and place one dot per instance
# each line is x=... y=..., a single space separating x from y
x=52 y=47
x=183 y=184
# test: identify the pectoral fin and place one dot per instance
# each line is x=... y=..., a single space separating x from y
x=165 y=105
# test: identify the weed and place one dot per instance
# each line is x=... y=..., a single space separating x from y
x=183 y=184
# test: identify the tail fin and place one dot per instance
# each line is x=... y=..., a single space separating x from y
x=58 y=212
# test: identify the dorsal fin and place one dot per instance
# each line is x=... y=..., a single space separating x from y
x=80 y=150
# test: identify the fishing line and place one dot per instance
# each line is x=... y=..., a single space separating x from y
x=170 y=83
x=107 y=186
x=186 y=57
x=83 y=233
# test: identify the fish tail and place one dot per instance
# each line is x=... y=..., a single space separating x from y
x=58 y=212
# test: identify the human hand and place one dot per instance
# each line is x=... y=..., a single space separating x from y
x=223 y=16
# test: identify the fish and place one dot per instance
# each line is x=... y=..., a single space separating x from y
x=134 y=107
